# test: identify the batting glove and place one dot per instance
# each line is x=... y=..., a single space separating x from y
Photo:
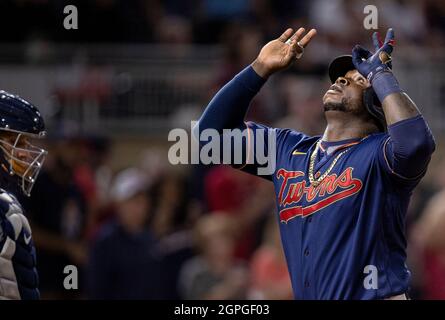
x=368 y=64
x=376 y=67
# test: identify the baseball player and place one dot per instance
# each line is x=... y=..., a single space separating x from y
x=20 y=162
x=341 y=197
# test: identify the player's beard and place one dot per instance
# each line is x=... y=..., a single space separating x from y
x=346 y=105
x=336 y=106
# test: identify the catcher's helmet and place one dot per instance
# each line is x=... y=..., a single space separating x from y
x=338 y=68
x=20 y=121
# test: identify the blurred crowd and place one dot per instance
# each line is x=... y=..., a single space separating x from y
x=150 y=230
x=208 y=21
x=418 y=24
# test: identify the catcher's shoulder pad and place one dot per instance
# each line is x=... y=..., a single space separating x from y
x=9 y=204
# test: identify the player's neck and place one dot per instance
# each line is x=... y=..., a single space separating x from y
x=343 y=129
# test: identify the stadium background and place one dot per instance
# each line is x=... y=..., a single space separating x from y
x=108 y=201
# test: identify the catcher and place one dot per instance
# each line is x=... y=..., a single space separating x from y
x=20 y=161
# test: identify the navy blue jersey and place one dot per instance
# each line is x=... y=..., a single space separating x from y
x=343 y=238
x=352 y=223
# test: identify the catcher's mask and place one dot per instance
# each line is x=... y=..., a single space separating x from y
x=20 y=122
x=338 y=68
x=22 y=159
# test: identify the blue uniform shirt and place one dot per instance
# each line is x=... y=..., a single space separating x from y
x=345 y=238
x=337 y=235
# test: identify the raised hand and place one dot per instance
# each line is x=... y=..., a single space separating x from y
x=369 y=64
x=279 y=54
x=378 y=43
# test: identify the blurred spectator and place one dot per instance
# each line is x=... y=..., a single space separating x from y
x=214 y=273
x=227 y=189
x=242 y=197
x=174 y=215
x=269 y=277
x=93 y=176
x=171 y=204
x=124 y=262
x=429 y=238
x=57 y=211
x=205 y=21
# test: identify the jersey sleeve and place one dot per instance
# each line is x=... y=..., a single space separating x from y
x=396 y=180
x=265 y=148
x=405 y=152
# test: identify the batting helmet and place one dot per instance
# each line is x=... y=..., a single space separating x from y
x=338 y=68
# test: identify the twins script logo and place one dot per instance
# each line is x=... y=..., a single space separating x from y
x=337 y=187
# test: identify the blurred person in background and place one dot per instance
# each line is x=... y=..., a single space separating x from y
x=174 y=214
x=92 y=175
x=269 y=278
x=240 y=196
x=124 y=262
x=428 y=237
x=57 y=211
x=214 y=273
x=423 y=213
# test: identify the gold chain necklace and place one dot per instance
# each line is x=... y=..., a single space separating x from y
x=316 y=182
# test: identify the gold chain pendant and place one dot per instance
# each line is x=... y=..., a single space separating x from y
x=316 y=182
